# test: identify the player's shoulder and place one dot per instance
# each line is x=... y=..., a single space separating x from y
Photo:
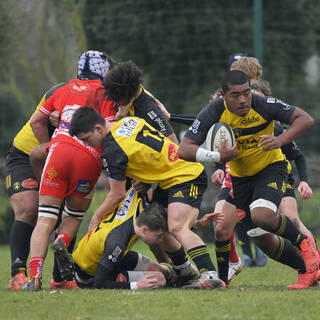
x=52 y=90
x=212 y=111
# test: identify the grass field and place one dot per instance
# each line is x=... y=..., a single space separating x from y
x=256 y=293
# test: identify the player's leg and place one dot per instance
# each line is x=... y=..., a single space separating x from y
x=181 y=217
x=268 y=188
x=245 y=244
x=22 y=189
x=283 y=251
x=172 y=250
x=223 y=233
x=48 y=214
x=288 y=207
x=138 y=266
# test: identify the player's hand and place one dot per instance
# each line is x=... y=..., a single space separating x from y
x=268 y=142
x=54 y=118
x=209 y=218
x=124 y=110
x=304 y=190
x=152 y=281
x=217 y=177
x=95 y=220
x=165 y=112
x=226 y=153
x=140 y=186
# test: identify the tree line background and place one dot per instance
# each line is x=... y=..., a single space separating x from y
x=182 y=46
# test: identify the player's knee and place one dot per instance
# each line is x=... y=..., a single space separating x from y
x=27 y=215
x=222 y=232
x=176 y=230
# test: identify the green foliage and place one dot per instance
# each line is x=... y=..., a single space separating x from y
x=6 y=220
x=183 y=46
x=40 y=43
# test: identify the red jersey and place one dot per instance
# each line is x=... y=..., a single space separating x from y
x=74 y=95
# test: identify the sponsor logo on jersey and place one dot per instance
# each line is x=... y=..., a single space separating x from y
x=271 y=100
x=125 y=207
x=195 y=126
x=162 y=127
x=178 y=194
x=250 y=120
x=173 y=152
x=285 y=105
x=52 y=173
x=115 y=254
x=79 y=88
x=127 y=128
x=83 y=186
x=152 y=115
x=247 y=144
x=29 y=183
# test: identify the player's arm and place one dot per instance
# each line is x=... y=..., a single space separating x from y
x=114 y=248
x=179 y=118
x=156 y=118
x=116 y=194
x=39 y=127
x=300 y=121
x=189 y=150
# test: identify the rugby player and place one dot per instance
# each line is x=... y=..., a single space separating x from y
x=135 y=149
x=104 y=259
x=258 y=170
x=71 y=168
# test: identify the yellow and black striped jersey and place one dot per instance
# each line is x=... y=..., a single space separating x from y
x=25 y=139
x=112 y=238
x=248 y=129
x=135 y=149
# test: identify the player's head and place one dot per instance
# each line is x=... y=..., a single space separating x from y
x=250 y=66
x=122 y=82
x=151 y=224
x=261 y=88
x=89 y=126
x=215 y=95
x=93 y=65
x=234 y=58
x=237 y=92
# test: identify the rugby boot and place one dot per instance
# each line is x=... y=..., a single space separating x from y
x=306 y=280
x=187 y=274
x=64 y=260
x=18 y=280
x=35 y=284
x=234 y=269
x=63 y=284
x=207 y=280
x=309 y=254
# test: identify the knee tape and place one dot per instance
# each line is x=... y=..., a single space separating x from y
x=78 y=214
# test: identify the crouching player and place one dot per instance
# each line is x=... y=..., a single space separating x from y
x=135 y=149
x=103 y=259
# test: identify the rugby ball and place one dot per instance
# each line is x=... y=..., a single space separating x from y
x=219 y=132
